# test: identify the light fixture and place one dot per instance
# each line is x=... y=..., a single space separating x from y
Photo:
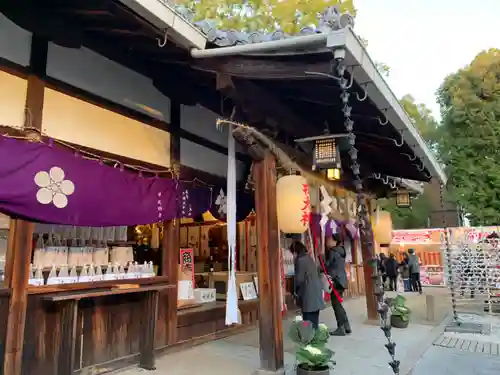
x=293 y=204
x=403 y=198
x=333 y=174
x=326 y=154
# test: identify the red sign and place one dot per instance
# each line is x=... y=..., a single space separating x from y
x=187 y=262
x=411 y=237
x=306 y=209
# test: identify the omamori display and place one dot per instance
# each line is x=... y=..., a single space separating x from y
x=47 y=183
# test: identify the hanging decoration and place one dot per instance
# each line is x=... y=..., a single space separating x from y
x=382 y=227
x=403 y=199
x=325 y=206
x=232 y=292
x=293 y=204
x=218 y=207
x=45 y=182
x=351 y=229
x=363 y=216
x=327 y=156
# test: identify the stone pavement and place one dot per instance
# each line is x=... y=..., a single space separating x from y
x=464 y=353
x=357 y=354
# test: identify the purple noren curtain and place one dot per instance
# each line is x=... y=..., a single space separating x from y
x=50 y=184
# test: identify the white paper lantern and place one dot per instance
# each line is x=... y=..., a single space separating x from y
x=293 y=204
x=382 y=227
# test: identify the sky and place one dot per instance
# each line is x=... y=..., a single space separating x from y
x=423 y=41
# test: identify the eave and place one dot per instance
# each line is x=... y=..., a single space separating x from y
x=115 y=31
x=163 y=16
x=365 y=74
x=381 y=94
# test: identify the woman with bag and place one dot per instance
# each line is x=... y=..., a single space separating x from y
x=308 y=290
x=335 y=266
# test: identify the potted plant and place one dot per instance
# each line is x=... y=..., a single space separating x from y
x=312 y=355
x=400 y=313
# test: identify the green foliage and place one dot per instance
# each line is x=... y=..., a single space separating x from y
x=470 y=136
x=383 y=68
x=416 y=216
x=258 y=15
x=399 y=308
x=311 y=351
x=422 y=119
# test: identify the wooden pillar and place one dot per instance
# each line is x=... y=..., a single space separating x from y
x=171 y=232
x=268 y=266
x=371 y=302
x=21 y=232
x=18 y=262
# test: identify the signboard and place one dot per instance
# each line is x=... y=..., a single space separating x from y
x=187 y=264
x=248 y=291
x=432 y=275
x=411 y=236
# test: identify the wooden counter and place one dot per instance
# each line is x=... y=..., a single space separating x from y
x=74 y=326
x=210 y=318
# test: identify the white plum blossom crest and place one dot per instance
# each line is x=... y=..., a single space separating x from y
x=53 y=187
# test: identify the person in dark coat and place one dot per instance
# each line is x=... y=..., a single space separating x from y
x=405 y=272
x=308 y=288
x=391 y=269
x=381 y=268
x=414 y=266
x=335 y=266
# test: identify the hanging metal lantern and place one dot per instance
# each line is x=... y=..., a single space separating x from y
x=403 y=198
x=326 y=154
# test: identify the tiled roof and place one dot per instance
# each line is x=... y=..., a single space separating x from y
x=328 y=21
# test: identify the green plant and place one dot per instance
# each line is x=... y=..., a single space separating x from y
x=399 y=308
x=311 y=352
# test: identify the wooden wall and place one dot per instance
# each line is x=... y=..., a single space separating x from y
x=108 y=329
x=4 y=309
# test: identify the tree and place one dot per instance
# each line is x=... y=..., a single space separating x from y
x=422 y=119
x=264 y=15
x=417 y=216
x=469 y=137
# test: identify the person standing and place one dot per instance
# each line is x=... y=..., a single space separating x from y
x=381 y=268
x=308 y=288
x=391 y=269
x=335 y=265
x=414 y=267
x=405 y=273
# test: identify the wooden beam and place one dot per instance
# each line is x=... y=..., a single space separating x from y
x=18 y=263
x=171 y=234
x=268 y=266
x=257 y=100
x=264 y=68
x=21 y=232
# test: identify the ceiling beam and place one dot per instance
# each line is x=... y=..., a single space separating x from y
x=266 y=68
x=255 y=100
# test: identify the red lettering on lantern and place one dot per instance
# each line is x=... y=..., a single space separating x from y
x=306 y=210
